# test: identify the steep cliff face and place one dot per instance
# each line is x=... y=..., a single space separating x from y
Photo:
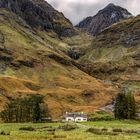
x=39 y=14
x=104 y=18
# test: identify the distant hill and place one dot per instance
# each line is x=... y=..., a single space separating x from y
x=104 y=18
x=115 y=54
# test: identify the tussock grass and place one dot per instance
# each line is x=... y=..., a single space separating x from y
x=100 y=130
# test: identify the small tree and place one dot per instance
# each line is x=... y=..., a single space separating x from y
x=125 y=106
x=36 y=100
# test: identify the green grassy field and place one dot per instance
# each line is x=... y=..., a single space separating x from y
x=101 y=130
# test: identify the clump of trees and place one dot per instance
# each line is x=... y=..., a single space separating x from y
x=27 y=109
x=125 y=106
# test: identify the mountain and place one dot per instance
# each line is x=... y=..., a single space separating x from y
x=34 y=59
x=40 y=15
x=104 y=18
x=115 y=54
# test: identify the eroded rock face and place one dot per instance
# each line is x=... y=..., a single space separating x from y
x=104 y=18
x=39 y=14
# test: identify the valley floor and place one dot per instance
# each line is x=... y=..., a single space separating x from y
x=101 y=130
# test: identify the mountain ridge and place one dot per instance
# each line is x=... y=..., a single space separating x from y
x=104 y=18
x=40 y=15
x=114 y=54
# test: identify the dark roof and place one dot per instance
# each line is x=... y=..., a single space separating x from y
x=76 y=114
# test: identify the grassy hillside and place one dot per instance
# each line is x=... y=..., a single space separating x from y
x=114 y=55
x=36 y=62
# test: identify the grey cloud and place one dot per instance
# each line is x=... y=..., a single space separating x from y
x=76 y=10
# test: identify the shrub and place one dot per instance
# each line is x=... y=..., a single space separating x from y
x=68 y=127
x=2 y=132
x=27 y=128
x=60 y=136
x=132 y=131
x=101 y=116
x=101 y=132
x=94 y=130
x=51 y=129
x=117 y=130
x=104 y=129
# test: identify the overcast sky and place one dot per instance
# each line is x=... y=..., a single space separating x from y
x=76 y=10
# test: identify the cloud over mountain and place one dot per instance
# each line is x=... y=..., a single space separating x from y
x=76 y=10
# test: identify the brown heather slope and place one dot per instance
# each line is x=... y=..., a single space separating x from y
x=115 y=54
x=34 y=61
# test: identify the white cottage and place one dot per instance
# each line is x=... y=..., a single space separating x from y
x=76 y=117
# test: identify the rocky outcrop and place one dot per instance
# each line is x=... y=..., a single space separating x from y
x=39 y=14
x=104 y=18
x=60 y=60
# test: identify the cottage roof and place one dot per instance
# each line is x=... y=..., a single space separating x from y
x=76 y=114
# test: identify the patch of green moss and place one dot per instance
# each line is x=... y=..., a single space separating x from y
x=9 y=72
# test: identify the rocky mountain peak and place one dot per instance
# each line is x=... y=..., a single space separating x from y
x=104 y=18
x=111 y=4
x=112 y=8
